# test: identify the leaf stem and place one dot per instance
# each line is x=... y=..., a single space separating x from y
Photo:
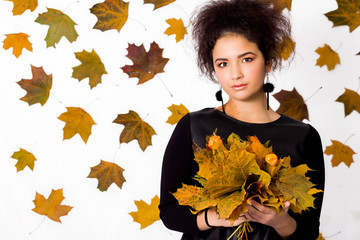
x=38 y=226
x=178 y=6
x=56 y=97
x=138 y=22
x=349 y=138
x=69 y=5
x=116 y=151
x=313 y=94
x=91 y=103
x=167 y=89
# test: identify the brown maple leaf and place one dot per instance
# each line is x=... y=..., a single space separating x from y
x=91 y=67
x=20 y=6
x=280 y=5
x=77 y=121
x=292 y=104
x=107 y=173
x=347 y=13
x=51 y=207
x=145 y=64
x=135 y=128
x=38 y=88
x=159 y=3
x=24 y=158
x=178 y=111
x=111 y=14
x=327 y=57
x=18 y=41
x=176 y=27
x=340 y=152
x=351 y=101
x=146 y=214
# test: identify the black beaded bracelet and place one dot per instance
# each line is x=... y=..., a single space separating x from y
x=206 y=219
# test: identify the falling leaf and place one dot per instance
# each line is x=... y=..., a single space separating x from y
x=288 y=47
x=146 y=214
x=91 y=67
x=24 y=158
x=159 y=3
x=340 y=152
x=351 y=101
x=20 y=6
x=77 y=121
x=18 y=41
x=280 y=5
x=292 y=104
x=107 y=173
x=347 y=14
x=51 y=207
x=135 y=128
x=60 y=25
x=178 y=111
x=111 y=14
x=145 y=64
x=38 y=88
x=320 y=237
x=327 y=57
x=176 y=27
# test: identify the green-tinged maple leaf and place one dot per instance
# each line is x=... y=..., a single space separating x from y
x=107 y=173
x=327 y=57
x=135 y=128
x=111 y=14
x=38 y=88
x=145 y=64
x=178 y=111
x=91 y=67
x=159 y=3
x=20 y=6
x=24 y=158
x=292 y=104
x=341 y=153
x=347 y=13
x=60 y=25
x=176 y=27
x=351 y=101
x=147 y=214
x=18 y=41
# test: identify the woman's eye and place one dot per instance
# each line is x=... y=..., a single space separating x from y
x=223 y=64
x=248 y=59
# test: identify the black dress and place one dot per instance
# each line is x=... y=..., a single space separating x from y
x=288 y=137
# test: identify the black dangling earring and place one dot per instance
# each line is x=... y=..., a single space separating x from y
x=218 y=95
x=268 y=88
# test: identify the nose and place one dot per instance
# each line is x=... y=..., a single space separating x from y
x=236 y=72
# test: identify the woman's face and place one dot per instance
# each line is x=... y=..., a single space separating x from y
x=239 y=67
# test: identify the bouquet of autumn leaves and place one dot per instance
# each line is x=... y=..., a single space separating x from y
x=233 y=173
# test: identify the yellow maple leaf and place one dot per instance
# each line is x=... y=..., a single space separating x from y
x=77 y=121
x=340 y=152
x=178 y=111
x=176 y=27
x=327 y=57
x=288 y=47
x=111 y=14
x=20 y=6
x=24 y=158
x=257 y=148
x=347 y=13
x=351 y=101
x=146 y=214
x=320 y=237
x=51 y=207
x=159 y=3
x=18 y=41
x=107 y=173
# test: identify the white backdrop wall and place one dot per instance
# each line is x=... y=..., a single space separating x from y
x=66 y=163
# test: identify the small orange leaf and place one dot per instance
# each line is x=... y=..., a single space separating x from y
x=20 y=6
x=178 y=111
x=51 y=207
x=107 y=173
x=351 y=101
x=292 y=104
x=24 y=158
x=77 y=121
x=327 y=57
x=340 y=152
x=146 y=214
x=159 y=3
x=18 y=41
x=176 y=27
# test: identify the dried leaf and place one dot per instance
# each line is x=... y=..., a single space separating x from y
x=77 y=121
x=18 y=41
x=51 y=207
x=135 y=128
x=107 y=173
x=38 y=88
x=176 y=27
x=60 y=25
x=24 y=158
x=91 y=67
x=20 y=6
x=327 y=57
x=280 y=5
x=111 y=14
x=340 y=152
x=159 y=3
x=320 y=237
x=178 y=111
x=145 y=64
x=288 y=47
x=351 y=101
x=146 y=214
x=292 y=104
x=347 y=13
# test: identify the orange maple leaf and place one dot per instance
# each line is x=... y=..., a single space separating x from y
x=176 y=27
x=111 y=14
x=159 y=3
x=351 y=101
x=347 y=13
x=292 y=104
x=340 y=152
x=18 y=41
x=77 y=121
x=178 y=111
x=107 y=173
x=51 y=207
x=327 y=57
x=38 y=88
x=146 y=64
x=146 y=214
x=24 y=158
x=20 y=6
x=135 y=128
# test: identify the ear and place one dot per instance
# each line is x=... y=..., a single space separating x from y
x=268 y=65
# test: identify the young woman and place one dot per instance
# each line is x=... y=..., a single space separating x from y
x=238 y=43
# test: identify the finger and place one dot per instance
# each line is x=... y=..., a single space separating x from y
x=257 y=205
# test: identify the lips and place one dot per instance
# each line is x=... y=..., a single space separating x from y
x=238 y=87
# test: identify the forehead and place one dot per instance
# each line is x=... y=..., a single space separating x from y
x=233 y=43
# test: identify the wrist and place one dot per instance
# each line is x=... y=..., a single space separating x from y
x=207 y=219
x=286 y=227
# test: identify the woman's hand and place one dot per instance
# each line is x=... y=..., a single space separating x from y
x=215 y=221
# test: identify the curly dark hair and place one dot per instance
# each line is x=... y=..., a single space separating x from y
x=256 y=20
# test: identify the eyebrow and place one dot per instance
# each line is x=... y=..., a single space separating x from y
x=240 y=56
